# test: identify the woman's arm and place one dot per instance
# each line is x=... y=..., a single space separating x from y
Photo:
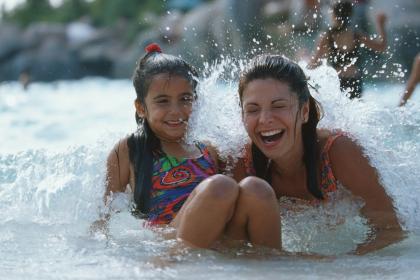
x=378 y=44
x=320 y=53
x=413 y=80
x=353 y=170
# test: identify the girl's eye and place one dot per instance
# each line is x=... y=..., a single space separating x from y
x=187 y=99
x=251 y=110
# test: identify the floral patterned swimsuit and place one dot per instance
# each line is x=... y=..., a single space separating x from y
x=173 y=181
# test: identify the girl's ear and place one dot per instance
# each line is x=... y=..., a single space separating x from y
x=304 y=112
x=140 y=110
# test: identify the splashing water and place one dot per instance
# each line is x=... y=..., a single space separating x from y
x=55 y=139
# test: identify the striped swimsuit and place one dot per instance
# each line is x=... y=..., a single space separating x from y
x=172 y=182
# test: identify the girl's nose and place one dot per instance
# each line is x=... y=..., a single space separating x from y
x=176 y=108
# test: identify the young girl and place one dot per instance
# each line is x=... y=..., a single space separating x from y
x=174 y=183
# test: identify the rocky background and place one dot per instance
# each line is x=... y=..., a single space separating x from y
x=37 y=41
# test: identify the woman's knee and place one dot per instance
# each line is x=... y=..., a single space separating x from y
x=220 y=187
x=257 y=188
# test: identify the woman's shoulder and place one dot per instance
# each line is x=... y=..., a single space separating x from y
x=342 y=149
x=327 y=138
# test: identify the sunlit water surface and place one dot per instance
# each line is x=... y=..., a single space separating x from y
x=54 y=142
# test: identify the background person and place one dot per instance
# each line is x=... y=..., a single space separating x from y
x=341 y=46
x=413 y=80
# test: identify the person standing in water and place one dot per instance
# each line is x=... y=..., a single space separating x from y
x=299 y=160
x=177 y=184
x=341 y=46
x=413 y=80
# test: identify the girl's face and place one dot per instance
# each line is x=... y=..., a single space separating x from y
x=167 y=107
x=272 y=117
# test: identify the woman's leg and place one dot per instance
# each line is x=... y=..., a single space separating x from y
x=257 y=215
x=203 y=217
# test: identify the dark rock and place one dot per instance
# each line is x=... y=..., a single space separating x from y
x=10 y=43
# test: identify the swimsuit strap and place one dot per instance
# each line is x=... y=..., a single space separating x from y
x=204 y=150
x=328 y=180
x=329 y=143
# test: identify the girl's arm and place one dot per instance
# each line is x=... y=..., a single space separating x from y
x=353 y=170
x=117 y=178
x=378 y=44
x=117 y=169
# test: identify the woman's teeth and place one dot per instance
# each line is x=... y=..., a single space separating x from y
x=271 y=133
x=271 y=136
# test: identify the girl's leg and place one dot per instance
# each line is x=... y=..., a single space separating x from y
x=257 y=215
x=203 y=217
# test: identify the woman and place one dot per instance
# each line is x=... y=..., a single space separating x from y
x=341 y=46
x=299 y=160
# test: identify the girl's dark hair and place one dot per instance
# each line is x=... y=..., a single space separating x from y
x=144 y=143
x=343 y=11
x=279 y=68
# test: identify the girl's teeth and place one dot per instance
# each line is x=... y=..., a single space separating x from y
x=177 y=121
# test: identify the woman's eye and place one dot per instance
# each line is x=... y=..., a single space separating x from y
x=280 y=106
x=161 y=101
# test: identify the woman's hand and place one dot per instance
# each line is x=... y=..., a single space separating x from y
x=381 y=19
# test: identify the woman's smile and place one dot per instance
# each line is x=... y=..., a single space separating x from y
x=271 y=137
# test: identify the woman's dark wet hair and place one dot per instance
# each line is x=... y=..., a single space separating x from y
x=343 y=11
x=144 y=143
x=281 y=69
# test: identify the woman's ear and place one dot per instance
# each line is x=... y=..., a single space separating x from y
x=140 y=110
x=304 y=112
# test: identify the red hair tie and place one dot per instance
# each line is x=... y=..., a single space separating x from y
x=153 y=47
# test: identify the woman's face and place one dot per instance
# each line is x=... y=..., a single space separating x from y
x=167 y=107
x=272 y=117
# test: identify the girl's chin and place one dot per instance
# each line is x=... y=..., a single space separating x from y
x=172 y=138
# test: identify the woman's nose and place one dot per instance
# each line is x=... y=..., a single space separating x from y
x=265 y=117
